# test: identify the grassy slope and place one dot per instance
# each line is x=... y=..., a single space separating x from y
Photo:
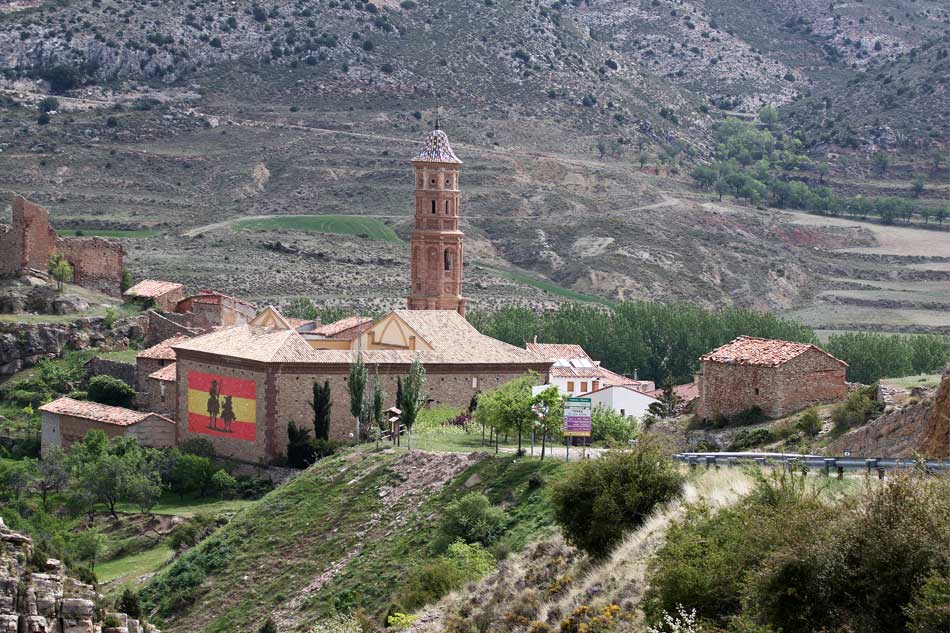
x=346 y=225
x=342 y=514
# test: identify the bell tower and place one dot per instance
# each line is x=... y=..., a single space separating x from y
x=436 y=244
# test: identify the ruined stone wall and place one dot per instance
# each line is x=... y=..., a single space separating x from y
x=96 y=261
x=727 y=389
x=117 y=369
x=33 y=237
x=146 y=366
x=936 y=441
x=164 y=325
x=9 y=262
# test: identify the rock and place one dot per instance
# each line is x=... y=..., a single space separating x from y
x=77 y=608
x=69 y=304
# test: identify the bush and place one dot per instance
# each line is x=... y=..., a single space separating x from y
x=599 y=500
x=268 y=626
x=855 y=411
x=197 y=446
x=49 y=104
x=609 y=426
x=111 y=621
x=747 y=438
x=462 y=562
x=472 y=519
x=809 y=423
x=105 y=389
x=129 y=604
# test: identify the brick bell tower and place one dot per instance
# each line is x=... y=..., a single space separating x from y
x=436 y=239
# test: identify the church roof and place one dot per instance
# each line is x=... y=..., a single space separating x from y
x=436 y=149
x=262 y=344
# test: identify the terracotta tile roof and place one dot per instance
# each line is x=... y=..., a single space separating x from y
x=436 y=149
x=296 y=323
x=252 y=343
x=332 y=329
x=98 y=412
x=151 y=288
x=687 y=392
x=168 y=373
x=576 y=372
x=553 y=351
x=748 y=350
x=162 y=351
x=214 y=297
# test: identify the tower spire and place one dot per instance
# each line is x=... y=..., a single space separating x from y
x=436 y=243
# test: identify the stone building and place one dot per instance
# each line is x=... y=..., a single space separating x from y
x=164 y=295
x=66 y=421
x=436 y=243
x=160 y=394
x=239 y=387
x=29 y=241
x=154 y=358
x=778 y=377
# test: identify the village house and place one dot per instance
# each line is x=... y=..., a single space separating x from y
x=66 y=421
x=163 y=295
x=622 y=399
x=777 y=377
x=574 y=372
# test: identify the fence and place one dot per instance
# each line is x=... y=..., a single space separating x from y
x=820 y=462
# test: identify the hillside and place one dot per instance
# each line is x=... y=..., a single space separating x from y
x=577 y=124
x=344 y=535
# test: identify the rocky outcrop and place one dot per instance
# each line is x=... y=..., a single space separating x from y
x=936 y=442
x=25 y=344
x=46 y=600
x=919 y=429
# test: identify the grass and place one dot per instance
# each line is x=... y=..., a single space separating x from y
x=919 y=380
x=342 y=514
x=171 y=504
x=368 y=228
x=548 y=286
x=130 y=567
x=107 y=233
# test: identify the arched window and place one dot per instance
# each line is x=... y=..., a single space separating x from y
x=448 y=259
x=433 y=206
x=446 y=207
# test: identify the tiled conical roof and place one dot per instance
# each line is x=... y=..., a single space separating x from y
x=436 y=149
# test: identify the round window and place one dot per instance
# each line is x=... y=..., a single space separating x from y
x=433 y=181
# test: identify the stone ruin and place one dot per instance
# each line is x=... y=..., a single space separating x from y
x=48 y=601
x=28 y=242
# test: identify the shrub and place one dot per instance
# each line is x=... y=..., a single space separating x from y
x=472 y=519
x=430 y=582
x=49 y=104
x=599 y=500
x=609 y=426
x=809 y=423
x=268 y=626
x=197 y=446
x=855 y=411
x=930 y=608
x=129 y=604
x=111 y=620
x=105 y=389
x=747 y=438
x=43 y=118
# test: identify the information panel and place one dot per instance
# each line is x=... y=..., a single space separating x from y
x=577 y=417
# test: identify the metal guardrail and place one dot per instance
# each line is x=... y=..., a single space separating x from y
x=820 y=462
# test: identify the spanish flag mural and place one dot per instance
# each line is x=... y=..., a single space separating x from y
x=222 y=406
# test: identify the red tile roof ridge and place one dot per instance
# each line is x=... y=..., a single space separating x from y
x=118 y=416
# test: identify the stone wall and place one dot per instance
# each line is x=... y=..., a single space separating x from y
x=46 y=600
x=96 y=261
x=104 y=367
x=160 y=396
x=145 y=367
x=726 y=389
x=30 y=241
x=164 y=325
x=936 y=441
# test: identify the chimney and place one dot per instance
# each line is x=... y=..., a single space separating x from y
x=535 y=339
x=635 y=374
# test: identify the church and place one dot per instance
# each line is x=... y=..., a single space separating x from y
x=240 y=386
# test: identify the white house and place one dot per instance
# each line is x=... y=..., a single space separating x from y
x=623 y=399
x=574 y=373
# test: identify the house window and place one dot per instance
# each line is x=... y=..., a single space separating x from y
x=446 y=207
x=756 y=391
x=474 y=382
x=570 y=387
x=594 y=385
x=623 y=412
x=433 y=206
x=583 y=387
x=448 y=259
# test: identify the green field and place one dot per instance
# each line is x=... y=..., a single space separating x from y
x=105 y=233
x=548 y=286
x=134 y=565
x=368 y=228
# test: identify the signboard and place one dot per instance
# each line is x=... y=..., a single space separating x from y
x=222 y=406
x=577 y=417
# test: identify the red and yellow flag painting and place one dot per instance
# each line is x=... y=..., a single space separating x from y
x=222 y=406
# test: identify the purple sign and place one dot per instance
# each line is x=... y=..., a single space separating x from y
x=577 y=417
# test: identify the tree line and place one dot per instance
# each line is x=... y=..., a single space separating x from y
x=657 y=340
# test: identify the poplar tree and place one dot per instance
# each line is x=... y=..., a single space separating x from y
x=414 y=396
x=356 y=385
